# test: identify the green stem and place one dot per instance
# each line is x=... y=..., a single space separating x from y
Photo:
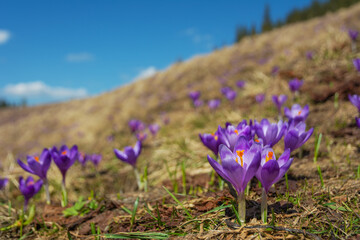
x=247 y=189
x=242 y=207
x=64 y=201
x=286 y=182
x=46 y=186
x=264 y=206
x=137 y=176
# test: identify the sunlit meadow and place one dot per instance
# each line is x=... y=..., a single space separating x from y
x=259 y=140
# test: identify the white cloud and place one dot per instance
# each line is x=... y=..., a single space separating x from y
x=80 y=57
x=39 y=89
x=145 y=73
x=199 y=38
x=4 y=36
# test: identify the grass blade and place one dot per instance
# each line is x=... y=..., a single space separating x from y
x=178 y=202
x=317 y=148
x=133 y=214
x=136 y=235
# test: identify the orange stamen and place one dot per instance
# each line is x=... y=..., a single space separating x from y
x=269 y=156
x=216 y=138
x=257 y=140
x=30 y=183
x=64 y=152
x=36 y=158
x=241 y=155
x=299 y=112
x=236 y=131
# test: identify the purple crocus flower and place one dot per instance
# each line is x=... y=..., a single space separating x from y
x=260 y=98
x=271 y=170
x=83 y=158
x=194 y=95
x=355 y=100
x=214 y=104
x=198 y=103
x=240 y=84
x=275 y=70
x=230 y=134
x=239 y=166
x=165 y=118
x=224 y=90
x=141 y=136
x=95 y=159
x=296 y=114
x=3 y=182
x=357 y=121
x=64 y=158
x=353 y=34
x=231 y=95
x=154 y=128
x=37 y=165
x=296 y=136
x=270 y=133
x=356 y=63
x=130 y=154
x=211 y=141
x=29 y=188
x=295 y=84
x=134 y=124
x=279 y=101
x=309 y=55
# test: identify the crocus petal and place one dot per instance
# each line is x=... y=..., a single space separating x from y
x=38 y=185
x=269 y=173
x=137 y=148
x=291 y=140
x=119 y=154
x=36 y=167
x=219 y=169
x=241 y=144
x=252 y=168
x=25 y=167
x=227 y=157
x=284 y=157
x=74 y=153
x=283 y=169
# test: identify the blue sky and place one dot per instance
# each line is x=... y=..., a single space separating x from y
x=57 y=50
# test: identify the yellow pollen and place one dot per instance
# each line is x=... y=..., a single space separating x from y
x=64 y=152
x=216 y=138
x=299 y=112
x=241 y=155
x=36 y=158
x=269 y=156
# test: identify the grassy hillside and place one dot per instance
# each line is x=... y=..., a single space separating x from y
x=89 y=122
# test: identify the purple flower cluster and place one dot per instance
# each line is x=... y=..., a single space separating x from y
x=136 y=125
x=138 y=128
x=229 y=93
x=195 y=97
x=243 y=156
x=94 y=158
x=37 y=165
